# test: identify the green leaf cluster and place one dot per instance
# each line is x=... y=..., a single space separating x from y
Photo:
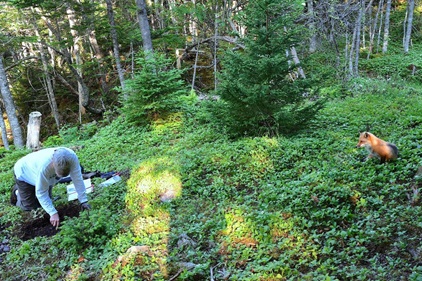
x=154 y=92
x=258 y=85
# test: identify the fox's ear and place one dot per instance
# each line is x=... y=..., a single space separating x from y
x=366 y=134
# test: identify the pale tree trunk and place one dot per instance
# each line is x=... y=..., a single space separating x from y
x=172 y=4
x=68 y=58
x=215 y=48
x=386 y=27
x=297 y=62
x=351 y=53
x=10 y=107
x=382 y=3
x=50 y=90
x=312 y=40
x=113 y=32
x=3 y=129
x=48 y=80
x=144 y=25
x=34 y=127
x=355 y=48
x=76 y=54
x=295 y=59
x=159 y=7
x=374 y=28
x=193 y=28
x=97 y=53
x=408 y=24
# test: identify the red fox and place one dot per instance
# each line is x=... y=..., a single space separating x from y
x=383 y=150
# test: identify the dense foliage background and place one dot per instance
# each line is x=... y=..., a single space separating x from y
x=214 y=187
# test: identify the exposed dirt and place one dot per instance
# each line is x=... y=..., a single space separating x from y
x=42 y=227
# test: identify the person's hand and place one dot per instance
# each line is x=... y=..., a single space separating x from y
x=55 y=220
x=85 y=206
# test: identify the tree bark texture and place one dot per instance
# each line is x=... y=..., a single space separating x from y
x=386 y=27
x=113 y=32
x=48 y=78
x=409 y=23
x=76 y=55
x=3 y=129
x=10 y=107
x=144 y=25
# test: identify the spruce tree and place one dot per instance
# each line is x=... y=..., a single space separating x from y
x=260 y=95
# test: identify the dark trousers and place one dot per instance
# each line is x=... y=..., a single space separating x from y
x=26 y=199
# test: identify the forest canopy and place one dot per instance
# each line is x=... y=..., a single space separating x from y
x=68 y=59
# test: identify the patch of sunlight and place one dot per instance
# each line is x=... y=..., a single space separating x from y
x=154 y=178
x=172 y=121
x=244 y=232
x=74 y=273
x=237 y=225
x=145 y=226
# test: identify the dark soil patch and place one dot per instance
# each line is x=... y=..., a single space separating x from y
x=42 y=226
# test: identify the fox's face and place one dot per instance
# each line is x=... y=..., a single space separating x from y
x=363 y=139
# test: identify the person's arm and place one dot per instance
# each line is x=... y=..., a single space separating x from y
x=41 y=191
x=78 y=182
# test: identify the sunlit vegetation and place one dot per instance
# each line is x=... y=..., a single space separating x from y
x=196 y=205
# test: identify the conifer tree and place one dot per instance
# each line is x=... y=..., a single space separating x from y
x=262 y=95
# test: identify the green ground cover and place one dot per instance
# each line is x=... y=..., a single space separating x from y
x=201 y=206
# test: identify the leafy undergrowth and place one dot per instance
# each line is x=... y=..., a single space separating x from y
x=198 y=206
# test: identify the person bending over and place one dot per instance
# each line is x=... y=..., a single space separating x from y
x=37 y=173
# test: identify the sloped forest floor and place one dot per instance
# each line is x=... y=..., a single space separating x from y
x=197 y=205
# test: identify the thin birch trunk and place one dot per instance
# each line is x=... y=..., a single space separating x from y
x=357 y=42
x=312 y=40
x=10 y=107
x=215 y=47
x=380 y=27
x=48 y=80
x=113 y=32
x=409 y=25
x=194 y=67
x=77 y=55
x=374 y=29
x=68 y=58
x=3 y=129
x=386 y=27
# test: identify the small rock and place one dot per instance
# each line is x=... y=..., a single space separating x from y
x=168 y=196
x=6 y=248
x=185 y=240
x=137 y=249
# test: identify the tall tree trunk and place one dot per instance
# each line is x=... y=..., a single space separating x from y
x=144 y=25
x=76 y=54
x=355 y=68
x=312 y=40
x=409 y=24
x=97 y=52
x=374 y=28
x=48 y=79
x=382 y=4
x=68 y=58
x=3 y=129
x=113 y=32
x=50 y=91
x=10 y=107
x=386 y=27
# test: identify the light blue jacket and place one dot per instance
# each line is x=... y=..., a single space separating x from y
x=37 y=169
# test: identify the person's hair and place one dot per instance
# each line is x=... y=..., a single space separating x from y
x=61 y=163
